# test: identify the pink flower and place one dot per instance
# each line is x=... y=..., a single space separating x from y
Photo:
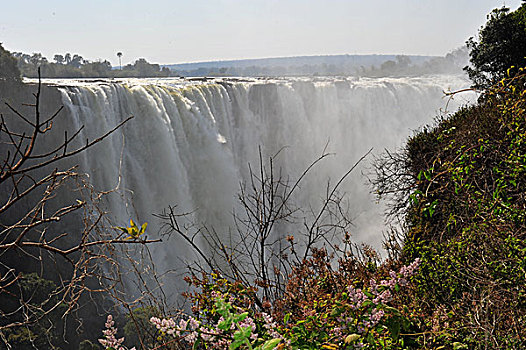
x=109 y=340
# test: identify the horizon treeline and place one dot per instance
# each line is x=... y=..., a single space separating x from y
x=75 y=66
x=397 y=66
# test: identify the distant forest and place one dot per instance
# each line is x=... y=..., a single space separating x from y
x=335 y=65
x=75 y=66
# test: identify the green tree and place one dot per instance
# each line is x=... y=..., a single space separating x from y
x=37 y=60
x=77 y=61
x=146 y=69
x=8 y=66
x=501 y=45
x=39 y=296
x=97 y=69
x=58 y=58
x=119 y=54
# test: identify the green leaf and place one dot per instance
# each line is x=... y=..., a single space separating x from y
x=427 y=175
x=367 y=303
x=394 y=328
x=225 y=324
x=270 y=344
x=368 y=294
x=241 y=336
x=286 y=318
x=391 y=309
x=336 y=312
x=143 y=228
x=246 y=332
x=235 y=344
x=240 y=317
x=196 y=344
x=351 y=338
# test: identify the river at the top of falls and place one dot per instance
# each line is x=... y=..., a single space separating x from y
x=190 y=142
x=445 y=80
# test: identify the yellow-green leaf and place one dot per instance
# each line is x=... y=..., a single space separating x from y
x=351 y=338
x=270 y=344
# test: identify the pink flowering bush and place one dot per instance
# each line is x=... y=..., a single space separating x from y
x=355 y=318
x=233 y=329
x=110 y=341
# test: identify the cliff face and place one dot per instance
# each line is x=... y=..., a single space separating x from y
x=21 y=98
x=16 y=94
x=37 y=285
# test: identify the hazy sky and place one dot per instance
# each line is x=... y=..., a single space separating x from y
x=176 y=31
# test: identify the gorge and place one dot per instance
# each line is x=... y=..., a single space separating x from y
x=192 y=143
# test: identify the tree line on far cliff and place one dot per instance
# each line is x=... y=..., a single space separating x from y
x=75 y=66
x=375 y=66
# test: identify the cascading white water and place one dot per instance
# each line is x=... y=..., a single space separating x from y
x=190 y=143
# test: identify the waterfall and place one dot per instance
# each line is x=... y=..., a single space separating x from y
x=190 y=143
